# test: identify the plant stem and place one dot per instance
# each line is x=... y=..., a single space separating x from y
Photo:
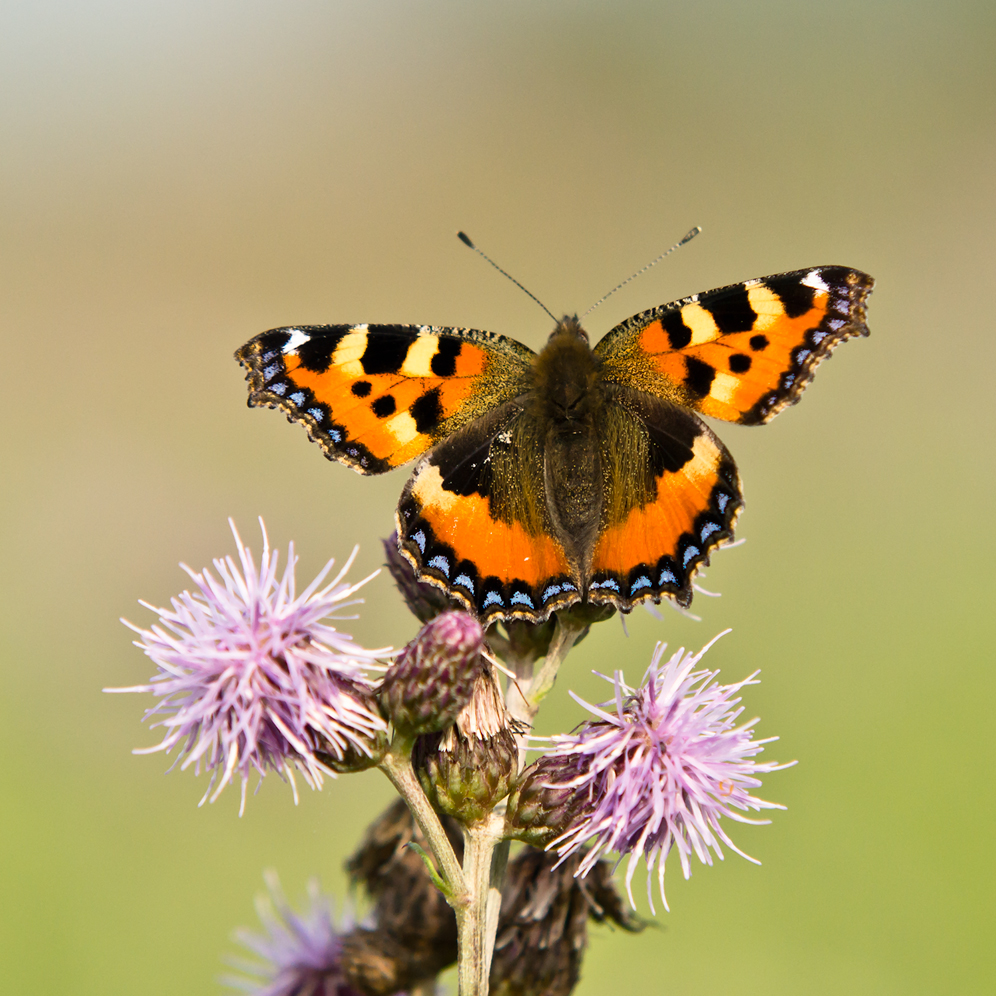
x=524 y=697
x=477 y=921
x=397 y=765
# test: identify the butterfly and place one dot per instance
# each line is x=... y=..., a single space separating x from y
x=573 y=474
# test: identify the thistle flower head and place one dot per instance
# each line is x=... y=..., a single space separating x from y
x=300 y=954
x=251 y=678
x=659 y=767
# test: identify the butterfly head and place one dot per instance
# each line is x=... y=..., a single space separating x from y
x=570 y=326
x=566 y=377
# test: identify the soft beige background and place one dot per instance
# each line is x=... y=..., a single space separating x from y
x=177 y=177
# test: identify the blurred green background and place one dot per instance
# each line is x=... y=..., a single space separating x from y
x=177 y=177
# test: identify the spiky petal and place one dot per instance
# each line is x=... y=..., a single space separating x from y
x=251 y=677
x=660 y=769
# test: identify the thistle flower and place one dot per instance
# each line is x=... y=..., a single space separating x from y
x=250 y=678
x=301 y=955
x=661 y=769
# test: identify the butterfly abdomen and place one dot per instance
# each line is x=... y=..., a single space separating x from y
x=568 y=408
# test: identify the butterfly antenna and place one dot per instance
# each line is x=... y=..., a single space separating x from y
x=465 y=239
x=687 y=238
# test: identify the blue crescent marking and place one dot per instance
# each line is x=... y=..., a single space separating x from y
x=419 y=538
x=690 y=553
x=607 y=583
x=708 y=529
x=492 y=598
x=641 y=582
x=521 y=598
x=441 y=563
x=667 y=577
x=465 y=580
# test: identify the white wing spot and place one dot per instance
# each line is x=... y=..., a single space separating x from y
x=814 y=280
x=297 y=338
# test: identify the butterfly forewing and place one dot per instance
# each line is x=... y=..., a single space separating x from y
x=377 y=396
x=740 y=353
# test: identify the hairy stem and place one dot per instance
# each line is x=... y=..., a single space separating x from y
x=529 y=689
x=477 y=921
x=397 y=765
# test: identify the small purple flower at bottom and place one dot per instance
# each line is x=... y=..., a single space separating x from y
x=300 y=953
x=251 y=678
x=661 y=769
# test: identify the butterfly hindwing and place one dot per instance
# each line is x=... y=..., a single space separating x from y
x=377 y=396
x=472 y=520
x=740 y=353
x=667 y=510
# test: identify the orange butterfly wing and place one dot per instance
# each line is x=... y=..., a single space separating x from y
x=666 y=511
x=740 y=353
x=377 y=396
x=472 y=519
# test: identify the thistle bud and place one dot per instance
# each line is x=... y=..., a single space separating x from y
x=543 y=925
x=545 y=803
x=425 y=600
x=434 y=677
x=415 y=936
x=470 y=767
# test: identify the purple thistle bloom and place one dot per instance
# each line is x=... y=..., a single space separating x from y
x=301 y=954
x=661 y=770
x=251 y=678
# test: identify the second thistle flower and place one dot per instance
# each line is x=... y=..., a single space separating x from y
x=657 y=768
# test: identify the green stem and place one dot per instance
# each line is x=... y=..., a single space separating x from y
x=397 y=765
x=524 y=697
x=477 y=921
x=564 y=638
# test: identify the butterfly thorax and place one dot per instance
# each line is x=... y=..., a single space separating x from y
x=566 y=410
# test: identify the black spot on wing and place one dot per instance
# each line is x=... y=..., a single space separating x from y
x=758 y=342
x=316 y=353
x=427 y=411
x=471 y=476
x=730 y=309
x=699 y=376
x=796 y=297
x=678 y=333
x=444 y=362
x=387 y=347
x=384 y=406
x=740 y=363
x=671 y=445
x=362 y=388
